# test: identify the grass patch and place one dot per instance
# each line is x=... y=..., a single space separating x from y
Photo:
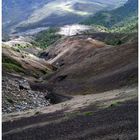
x=12 y=67
x=89 y=113
x=6 y=59
x=48 y=37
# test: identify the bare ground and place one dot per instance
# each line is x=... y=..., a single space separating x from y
x=100 y=80
x=105 y=116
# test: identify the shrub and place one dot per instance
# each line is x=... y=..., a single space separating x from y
x=48 y=37
x=6 y=59
x=12 y=67
x=88 y=113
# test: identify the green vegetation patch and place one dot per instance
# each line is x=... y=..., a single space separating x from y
x=6 y=59
x=127 y=26
x=121 y=20
x=110 y=18
x=48 y=37
x=11 y=65
x=89 y=113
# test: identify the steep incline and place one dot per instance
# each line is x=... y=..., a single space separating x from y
x=20 y=65
x=88 y=66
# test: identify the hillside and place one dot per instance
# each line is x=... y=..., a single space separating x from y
x=15 y=11
x=126 y=14
x=20 y=66
x=67 y=80
x=20 y=60
x=98 y=83
x=23 y=16
x=99 y=62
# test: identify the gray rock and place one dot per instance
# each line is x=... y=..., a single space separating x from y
x=24 y=85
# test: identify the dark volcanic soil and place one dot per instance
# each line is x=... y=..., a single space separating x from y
x=117 y=122
x=87 y=66
x=84 y=66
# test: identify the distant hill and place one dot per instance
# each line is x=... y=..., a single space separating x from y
x=123 y=17
x=15 y=11
x=127 y=26
x=23 y=15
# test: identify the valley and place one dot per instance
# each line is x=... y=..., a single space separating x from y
x=77 y=89
x=75 y=80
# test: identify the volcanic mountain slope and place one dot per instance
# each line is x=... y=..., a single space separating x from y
x=20 y=65
x=88 y=66
x=117 y=121
x=104 y=76
x=96 y=71
x=85 y=66
x=21 y=57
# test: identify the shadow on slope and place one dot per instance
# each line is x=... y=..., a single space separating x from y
x=86 y=65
